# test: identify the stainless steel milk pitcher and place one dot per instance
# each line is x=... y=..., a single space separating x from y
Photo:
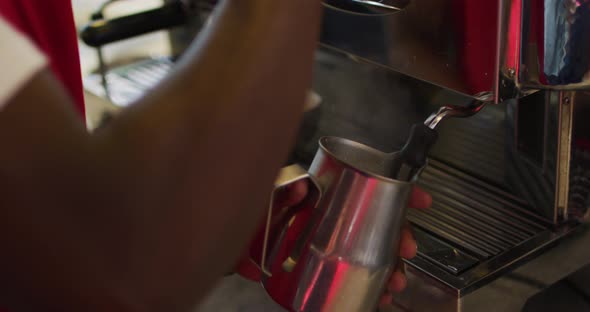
x=336 y=250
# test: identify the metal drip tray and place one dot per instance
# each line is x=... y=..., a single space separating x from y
x=125 y=84
x=443 y=254
x=474 y=229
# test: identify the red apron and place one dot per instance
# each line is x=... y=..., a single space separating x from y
x=50 y=25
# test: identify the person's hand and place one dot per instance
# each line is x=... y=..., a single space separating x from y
x=419 y=199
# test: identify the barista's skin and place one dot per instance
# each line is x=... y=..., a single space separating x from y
x=148 y=213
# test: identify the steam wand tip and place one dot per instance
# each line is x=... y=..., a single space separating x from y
x=423 y=136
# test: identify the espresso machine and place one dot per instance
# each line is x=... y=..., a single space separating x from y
x=511 y=184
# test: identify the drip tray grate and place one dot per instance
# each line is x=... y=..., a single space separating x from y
x=470 y=220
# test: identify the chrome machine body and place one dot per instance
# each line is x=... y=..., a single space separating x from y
x=508 y=182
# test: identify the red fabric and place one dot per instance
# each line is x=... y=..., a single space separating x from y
x=50 y=24
x=475 y=26
x=583 y=144
x=537 y=35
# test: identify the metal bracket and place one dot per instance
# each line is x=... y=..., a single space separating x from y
x=564 y=154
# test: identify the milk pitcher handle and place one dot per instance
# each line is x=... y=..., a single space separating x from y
x=281 y=220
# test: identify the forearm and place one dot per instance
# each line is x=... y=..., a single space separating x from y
x=150 y=211
x=203 y=149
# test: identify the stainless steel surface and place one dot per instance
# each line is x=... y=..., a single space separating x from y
x=579 y=166
x=367 y=6
x=127 y=83
x=419 y=143
x=448 y=111
x=336 y=254
x=544 y=133
x=564 y=152
x=455 y=45
x=479 y=220
x=450 y=44
x=287 y=176
x=536 y=270
x=351 y=252
x=579 y=201
x=381 y=4
x=507 y=48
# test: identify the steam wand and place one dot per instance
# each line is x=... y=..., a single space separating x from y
x=422 y=136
